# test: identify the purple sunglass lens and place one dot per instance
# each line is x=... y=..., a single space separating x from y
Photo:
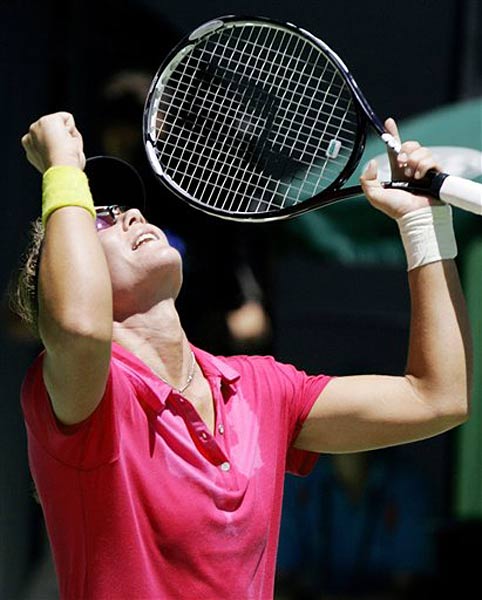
x=104 y=222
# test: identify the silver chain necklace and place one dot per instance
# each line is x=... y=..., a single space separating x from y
x=189 y=378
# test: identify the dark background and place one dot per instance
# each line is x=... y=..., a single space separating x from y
x=409 y=57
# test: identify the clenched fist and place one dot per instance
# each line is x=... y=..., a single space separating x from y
x=54 y=140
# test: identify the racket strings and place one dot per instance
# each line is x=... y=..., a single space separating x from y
x=260 y=175
x=283 y=79
x=226 y=141
x=192 y=94
x=299 y=136
x=278 y=142
x=214 y=171
x=323 y=169
x=307 y=119
x=208 y=131
x=185 y=85
x=246 y=120
x=251 y=178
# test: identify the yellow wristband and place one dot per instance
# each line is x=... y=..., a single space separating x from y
x=65 y=186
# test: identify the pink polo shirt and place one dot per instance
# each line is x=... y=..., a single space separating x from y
x=141 y=502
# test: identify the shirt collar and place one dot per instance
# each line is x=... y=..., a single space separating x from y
x=213 y=368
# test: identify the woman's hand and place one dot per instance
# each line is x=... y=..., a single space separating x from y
x=412 y=162
x=54 y=140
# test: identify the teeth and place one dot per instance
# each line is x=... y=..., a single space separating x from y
x=145 y=237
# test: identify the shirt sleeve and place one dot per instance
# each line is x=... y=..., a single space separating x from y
x=85 y=445
x=301 y=392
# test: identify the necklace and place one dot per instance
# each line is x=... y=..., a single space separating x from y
x=188 y=380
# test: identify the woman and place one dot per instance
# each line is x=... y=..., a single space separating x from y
x=160 y=467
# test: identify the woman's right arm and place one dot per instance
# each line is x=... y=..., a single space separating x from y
x=75 y=296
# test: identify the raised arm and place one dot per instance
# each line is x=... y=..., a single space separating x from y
x=75 y=297
x=372 y=411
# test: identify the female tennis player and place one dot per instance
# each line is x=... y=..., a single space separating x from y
x=159 y=466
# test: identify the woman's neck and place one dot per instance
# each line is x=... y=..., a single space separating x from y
x=157 y=338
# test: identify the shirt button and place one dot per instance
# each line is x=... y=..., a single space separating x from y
x=204 y=435
x=221 y=429
x=225 y=466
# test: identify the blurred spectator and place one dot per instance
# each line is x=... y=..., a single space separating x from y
x=356 y=528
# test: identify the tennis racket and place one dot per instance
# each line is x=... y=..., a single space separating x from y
x=254 y=120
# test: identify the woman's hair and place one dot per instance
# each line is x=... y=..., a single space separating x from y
x=24 y=286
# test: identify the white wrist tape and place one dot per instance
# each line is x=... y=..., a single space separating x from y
x=428 y=235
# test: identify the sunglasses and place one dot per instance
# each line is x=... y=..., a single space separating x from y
x=106 y=216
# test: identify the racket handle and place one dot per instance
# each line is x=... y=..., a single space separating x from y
x=457 y=191
x=463 y=193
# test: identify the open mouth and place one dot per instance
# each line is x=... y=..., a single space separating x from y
x=144 y=238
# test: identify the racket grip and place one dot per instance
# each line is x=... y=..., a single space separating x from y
x=457 y=191
x=462 y=193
